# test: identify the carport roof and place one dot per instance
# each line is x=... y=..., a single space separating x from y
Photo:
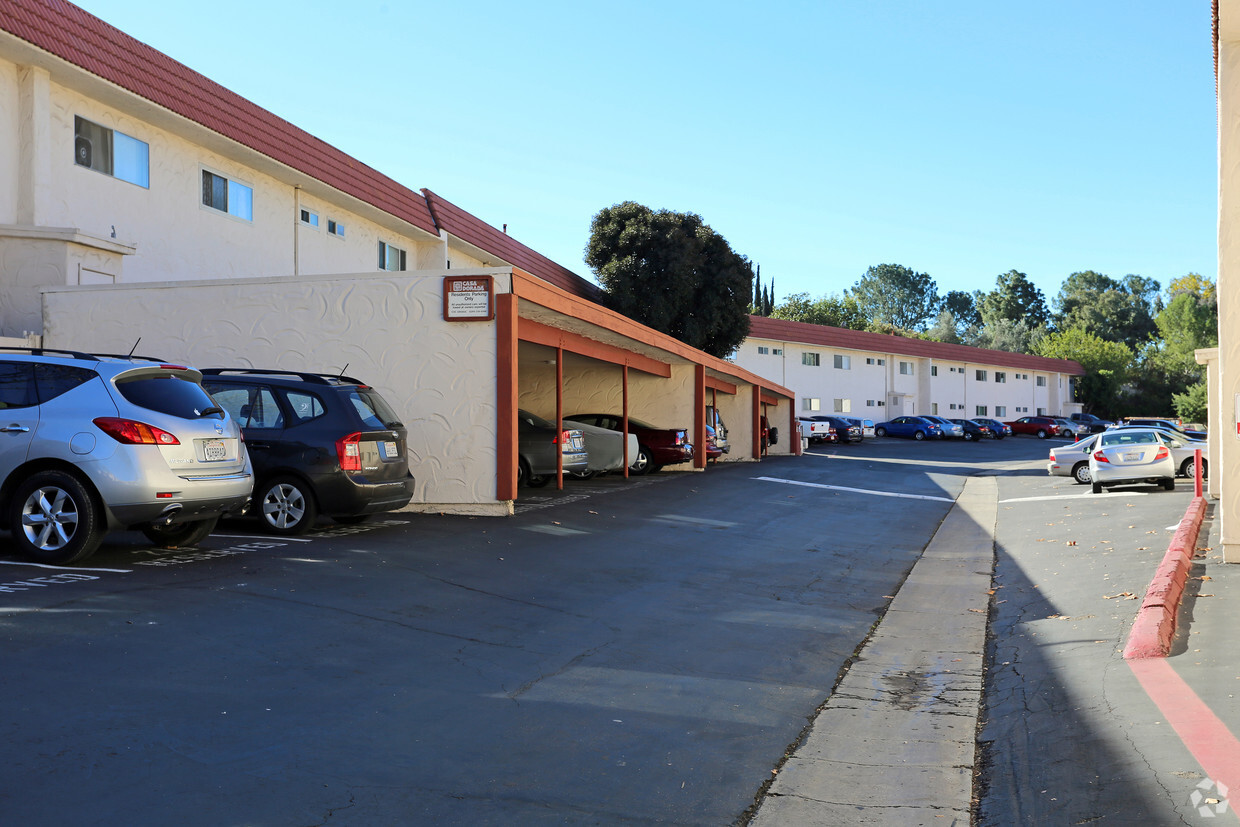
x=547 y=304
x=782 y=330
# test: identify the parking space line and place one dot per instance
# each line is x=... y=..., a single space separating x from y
x=857 y=490
x=62 y=568
x=1085 y=496
x=265 y=537
x=700 y=521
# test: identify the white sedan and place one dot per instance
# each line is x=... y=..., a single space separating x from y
x=1124 y=457
x=1073 y=460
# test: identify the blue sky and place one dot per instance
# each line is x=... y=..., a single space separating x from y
x=961 y=139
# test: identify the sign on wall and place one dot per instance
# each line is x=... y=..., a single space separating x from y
x=468 y=298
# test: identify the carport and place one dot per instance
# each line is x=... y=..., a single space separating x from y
x=457 y=363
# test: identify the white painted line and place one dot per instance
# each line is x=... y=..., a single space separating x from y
x=265 y=537
x=553 y=529
x=61 y=568
x=1085 y=496
x=676 y=518
x=858 y=490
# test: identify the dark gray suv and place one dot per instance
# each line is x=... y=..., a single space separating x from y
x=91 y=443
x=321 y=444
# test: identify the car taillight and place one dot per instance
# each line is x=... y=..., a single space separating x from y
x=1101 y=457
x=132 y=432
x=562 y=439
x=1163 y=453
x=349 y=452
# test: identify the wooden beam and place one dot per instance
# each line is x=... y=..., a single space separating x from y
x=529 y=330
x=506 y=397
x=719 y=385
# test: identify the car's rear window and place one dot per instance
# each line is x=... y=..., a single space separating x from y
x=373 y=410
x=166 y=394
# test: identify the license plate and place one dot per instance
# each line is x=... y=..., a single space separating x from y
x=214 y=450
x=388 y=449
x=1133 y=457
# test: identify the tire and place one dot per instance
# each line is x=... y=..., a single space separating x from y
x=581 y=475
x=1080 y=473
x=54 y=519
x=969 y=437
x=1097 y=487
x=919 y=435
x=1041 y=434
x=286 y=506
x=1186 y=468
x=880 y=432
x=1168 y=484
x=180 y=535
x=642 y=464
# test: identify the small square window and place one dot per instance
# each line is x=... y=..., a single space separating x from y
x=391 y=258
x=981 y=410
x=1000 y=377
x=1000 y=410
x=310 y=219
x=842 y=362
x=219 y=193
x=934 y=370
x=811 y=404
x=981 y=376
x=335 y=228
x=906 y=368
x=810 y=359
x=763 y=350
x=777 y=351
x=1041 y=382
x=842 y=405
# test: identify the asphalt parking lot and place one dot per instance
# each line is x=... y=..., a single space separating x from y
x=643 y=651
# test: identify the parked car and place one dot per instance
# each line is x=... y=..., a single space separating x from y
x=867 y=426
x=656 y=447
x=713 y=451
x=715 y=420
x=1072 y=460
x=912 y=427
x=947 y=428
x=1039 y=426
x=1072 y=430
x=998 y=429
x=91 y=443
x=973 y=431
x=1170 y=424
x=845 y=431
x=816 y=430
x=604 y=448
x=1095 y=425
x=321 y=444
x=1183 y=447
x=1126 y=457
x=538 y=443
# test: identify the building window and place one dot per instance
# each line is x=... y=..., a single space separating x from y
x=1000 y=410
x=110 y=152
x=906 y=368
x=934 y=408
x=224 y=195
x=1041 y=382
x=809 y=404
x=1000 y=377
x=777 y=351
x=391 y=258
x=335 y=228
x=810 y=359
x=310 y=219
x=934 y=370
x=842 y=362
x=763 y=350
x=842 y=405
x=1041 y=412
x=981 y=410
x=981 y=376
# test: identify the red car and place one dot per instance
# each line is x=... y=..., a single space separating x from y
x=1039 y=426
x=656 y=446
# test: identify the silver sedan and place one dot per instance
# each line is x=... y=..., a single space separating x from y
x=1124 y=457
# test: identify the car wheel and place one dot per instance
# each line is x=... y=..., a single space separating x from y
x=1080 y=473
x=968 y=437
x=54 y=519
x=880 y=432
x=919 y=435
x=179 y=535
x=1097 y=487
x=1168 y=484
x=286 y=506
x=1041 y=434
x=1186 y=468
x=642 y=464
x=581 y=475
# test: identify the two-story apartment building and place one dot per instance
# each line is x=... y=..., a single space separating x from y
x=878 y=376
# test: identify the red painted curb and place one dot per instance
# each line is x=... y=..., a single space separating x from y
x=1154 y=628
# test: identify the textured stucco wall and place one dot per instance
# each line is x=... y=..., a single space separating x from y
x=439 y=376
x=1228 y=466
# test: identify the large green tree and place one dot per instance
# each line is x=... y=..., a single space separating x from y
x=963 y=307
x=1011 y=335
x=672 y=272
x=1119 y=310
x=1106 y=365
x=893 y=296
x=833 y=310
x=1014 y=298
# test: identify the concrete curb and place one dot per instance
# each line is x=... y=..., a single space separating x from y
x=1154 y=628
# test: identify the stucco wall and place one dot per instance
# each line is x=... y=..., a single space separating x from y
x=1228 y=466
x=8 y=141
x=388 y=329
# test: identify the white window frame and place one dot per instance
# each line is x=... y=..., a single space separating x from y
x=103 y=158
x=233 y=188
x=1040 y=381
x=842 y=405
x=309 y=218
x=841 y=361
x=811 y=403
x=906 y=368
x=1001 y=377
x=1000 y=410
x=763 y=350
x=980 y=375
x=811 y=360
x=392 y=259
x=335 y=228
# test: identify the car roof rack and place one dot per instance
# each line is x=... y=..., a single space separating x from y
x=313 y=378
x=77 y=354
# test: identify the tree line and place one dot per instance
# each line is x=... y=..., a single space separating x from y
x=1134 y=340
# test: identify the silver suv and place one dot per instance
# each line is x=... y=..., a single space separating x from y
x=92 y=443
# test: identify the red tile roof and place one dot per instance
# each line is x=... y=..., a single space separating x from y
x=780 y=330
x=80 y=38
x=472 y=230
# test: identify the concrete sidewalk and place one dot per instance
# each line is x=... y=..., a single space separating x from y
x=895 y=744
